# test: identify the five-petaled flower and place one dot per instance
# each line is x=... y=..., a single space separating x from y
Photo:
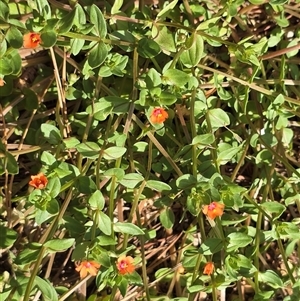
x=213 y=210
x=39 y=181
x=31 y=40
x=158 y=115
x=125 y=265
x=87 y=267
x=208 y=268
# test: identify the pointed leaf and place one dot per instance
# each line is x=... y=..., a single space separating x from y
x=128 y=228
x=97 y=18
x=97 y=55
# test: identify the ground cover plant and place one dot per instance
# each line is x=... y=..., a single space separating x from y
x=149 y=150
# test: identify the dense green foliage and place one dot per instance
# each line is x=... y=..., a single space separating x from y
x=148 y=119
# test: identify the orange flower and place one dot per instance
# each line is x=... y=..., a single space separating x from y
x=158 y=115
x=39 y=181
x=213 y=210
x=2 y=82
x=208 y=268
x=125 y=265
x=31 y=40
x=87 y=267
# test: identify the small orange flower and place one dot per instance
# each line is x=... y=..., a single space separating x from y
x=125 y=265
x=158 y=115
x=39 y=181
x=208 y=268
x=213 y=210
x=31 y=40
x=2 y=82
x=87 y=267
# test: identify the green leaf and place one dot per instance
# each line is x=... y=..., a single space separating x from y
x=116 y=7
x=15 y=61
x=239 y=266
x=191 y=57
x=59 y=245
x=128 y=228
x=278 y=2
x=167 y=98
x=270 y=278
x=49 y=38
x=218 y=118
x=47 y=158
x=14 y=37
x=43 y=214
x=104 y=223
x=211 y=246
x=176 y=77
x=5 y=67
x=104 y=240
x=203 y=140
x=287 y=230
x=131 y=180
x=274 y=209
x=127 y=36
x=97 y=18
x=88 y=150
x=237 y=240
x=158 y=185
x=257 y=2
x=71 y=142
x=264 y=156
x=164 y=38
x=165 y=11
x=107 y=105
x=167 y=218
x=152 y=79
x=118 y=173
x=292 y=200
x=31 y=99
x=186 y=181
x=43 y=7
x=54 y=187
x=226 y=155
x=47 y=289
x=28 y=255
x=3 y=49
x=122 y=286
x=4 y=11
x=65 y=23
x=8 y=164
x=76 y=46
x=86 y=185
x=148 y=48
x=114 y=152
x=97 y=201
x=50 y=134
x=7 y=237
x=97 y=55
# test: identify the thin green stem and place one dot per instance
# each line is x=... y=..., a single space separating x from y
x=214 y=289
x=138 y=193
x=194 y=133
x=34 y=273
x=144 y=263
x=195 y=275
x=214 y=144
x=256 y=244
x=282 y=252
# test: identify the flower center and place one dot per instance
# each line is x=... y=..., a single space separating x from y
x=212 y=206
x=158 y=113
x=87 y=265
x=123 y=264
